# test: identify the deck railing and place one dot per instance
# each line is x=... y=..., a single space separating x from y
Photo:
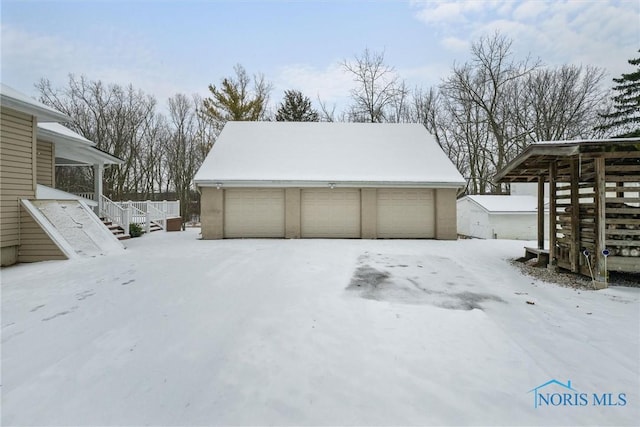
x=143 y=213
x=117 y=214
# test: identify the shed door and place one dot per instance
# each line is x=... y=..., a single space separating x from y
x=254 y=212
x=330 y=213
x=406 y=213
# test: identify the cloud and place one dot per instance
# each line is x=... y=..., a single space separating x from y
x=455 y=44
x=599 y=33
x=28 y=56
x=451 y=12
x=331 y=84
x=529 y=10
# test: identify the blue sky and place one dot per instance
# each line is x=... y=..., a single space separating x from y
x=168 y=47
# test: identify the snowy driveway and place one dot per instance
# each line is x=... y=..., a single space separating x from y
x=179 y=331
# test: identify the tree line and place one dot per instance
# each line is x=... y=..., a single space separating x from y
x=482 y=114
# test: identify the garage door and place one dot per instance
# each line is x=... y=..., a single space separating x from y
x=254 y=213
x=330 y=213
x=405 y=213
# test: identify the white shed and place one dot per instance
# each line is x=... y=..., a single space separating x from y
x=499 y=217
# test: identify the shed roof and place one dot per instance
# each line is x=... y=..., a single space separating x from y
x=535 y=159
x=11 y=98
x=505 y=203
x=312 y=153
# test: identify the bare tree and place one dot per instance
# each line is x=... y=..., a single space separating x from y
x=560 y=103
x=376 y=90
x=485 y=82
x=120 y=120
x=183 y=149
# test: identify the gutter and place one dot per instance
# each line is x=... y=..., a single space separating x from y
x=323 y=183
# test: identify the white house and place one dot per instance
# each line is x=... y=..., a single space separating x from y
x=499 y=216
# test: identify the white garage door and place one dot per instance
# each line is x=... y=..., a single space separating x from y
x=406 y=213
x=330 y=213
x=254 y=212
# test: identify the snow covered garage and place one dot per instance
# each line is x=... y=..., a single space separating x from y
x=327 y=180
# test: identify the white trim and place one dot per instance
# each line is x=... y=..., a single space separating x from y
x=325 y=184
x=11 y=98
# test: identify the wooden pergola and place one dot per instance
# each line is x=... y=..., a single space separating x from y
x=594 y=202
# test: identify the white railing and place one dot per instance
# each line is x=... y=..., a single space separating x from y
x=143 y=213
x=117 y=214
x=147 y=213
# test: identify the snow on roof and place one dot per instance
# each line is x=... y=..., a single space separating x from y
x=56 y=130
x=73 y=146
x=312 y=153
x=505 y=203
x=11 y=98
x=47 y=193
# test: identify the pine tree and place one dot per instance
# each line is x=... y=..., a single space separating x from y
x=296 y=108
x=235 y=101
x=624 y=120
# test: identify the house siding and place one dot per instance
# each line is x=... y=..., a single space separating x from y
x=446 y=216
x=17 y=175
x=35 y=244
x=45 y=164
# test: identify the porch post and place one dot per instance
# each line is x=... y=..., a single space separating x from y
x=600 y=214
x=552 y=213
x=98 y=173
x=541 y=212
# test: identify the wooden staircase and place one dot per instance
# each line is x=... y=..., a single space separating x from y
x=119 y=232
x=154 y=226
x=115 y=229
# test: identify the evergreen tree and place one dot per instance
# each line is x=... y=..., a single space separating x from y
x=234 y=100
x=296 y=108
x=624 y=120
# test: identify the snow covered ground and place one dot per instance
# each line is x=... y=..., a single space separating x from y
x=180 y=331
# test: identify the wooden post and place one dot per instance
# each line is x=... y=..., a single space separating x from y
x=552 y=213
x=541 y=212
x=575 y=252
x=600 y=201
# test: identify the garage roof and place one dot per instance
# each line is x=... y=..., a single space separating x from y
x=311 y=154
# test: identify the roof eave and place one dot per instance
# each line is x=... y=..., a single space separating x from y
x=559 y=150
x=43 y=114
x=59 y=138
x=326 y=183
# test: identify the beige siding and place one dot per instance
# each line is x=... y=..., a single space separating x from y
x=45 y=164
x=292 y=213
x=35 y=244
x=446 y=217
x=212 y=213
x=17 y=177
